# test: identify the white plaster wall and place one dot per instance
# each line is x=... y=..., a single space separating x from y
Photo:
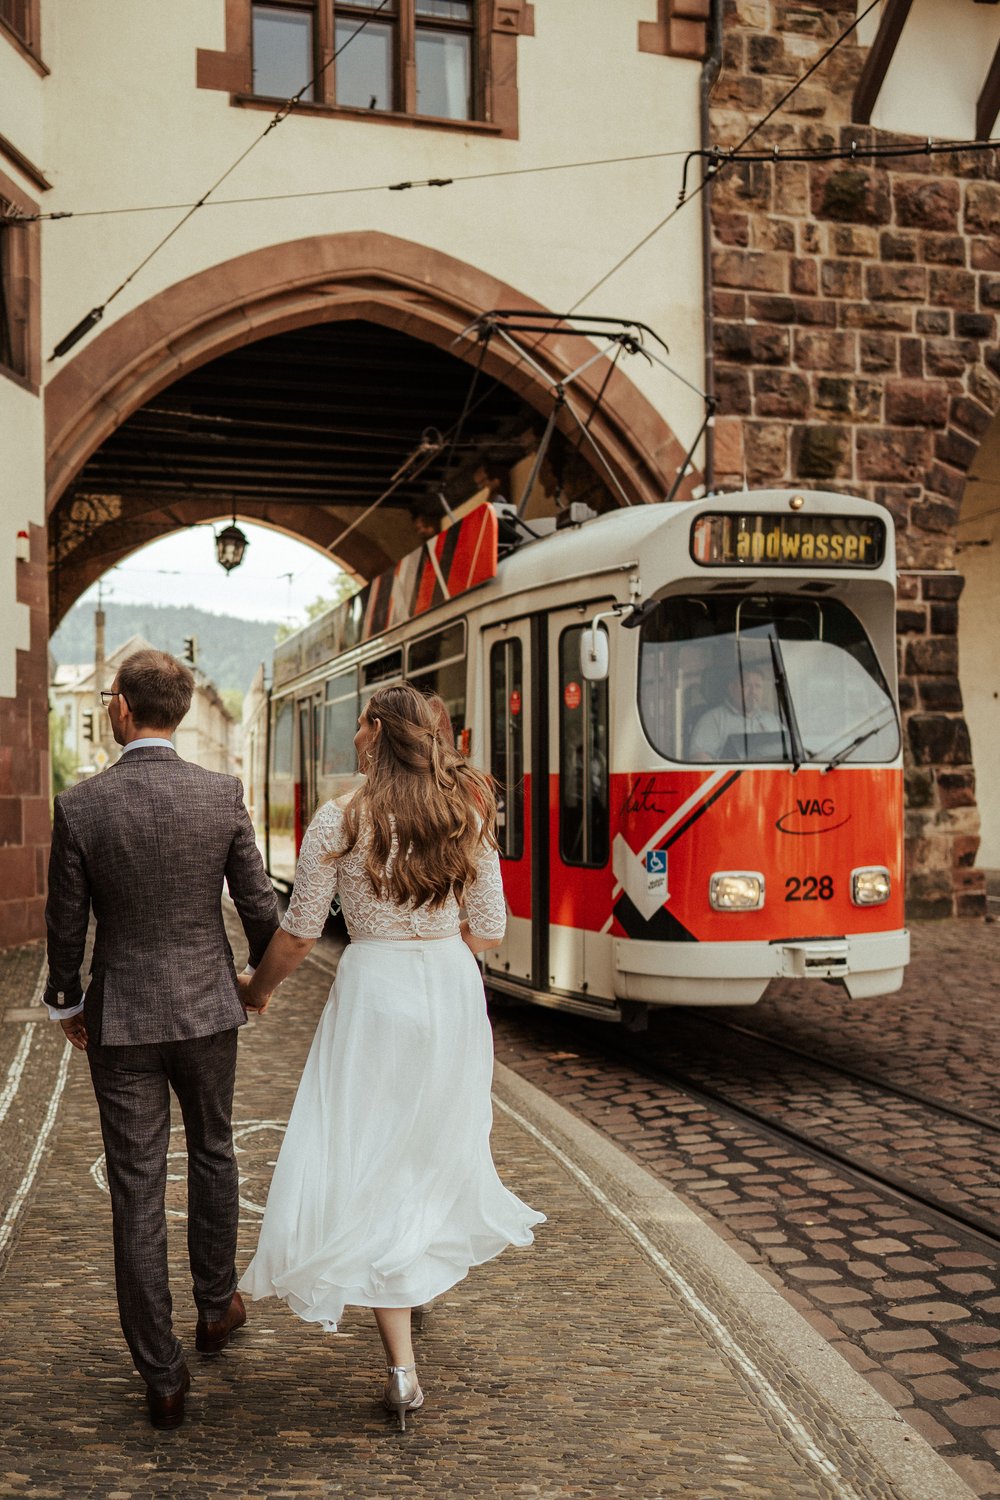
x=22 y=490
x=938 y=69
x=979 y=629
x=125 y=125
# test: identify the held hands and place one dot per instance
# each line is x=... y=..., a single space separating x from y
x=249 y=998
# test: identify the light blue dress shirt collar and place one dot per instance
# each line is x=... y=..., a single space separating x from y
x=147 y=744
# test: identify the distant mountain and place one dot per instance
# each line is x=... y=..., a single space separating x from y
x=229 y=649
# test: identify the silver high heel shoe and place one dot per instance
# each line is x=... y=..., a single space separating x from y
x=402 y=1392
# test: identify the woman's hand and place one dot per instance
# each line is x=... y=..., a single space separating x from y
x=250 y=998
x=477 y=945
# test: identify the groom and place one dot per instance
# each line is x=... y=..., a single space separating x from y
x=147 y=845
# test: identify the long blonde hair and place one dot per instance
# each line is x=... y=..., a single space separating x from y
x=420 y=788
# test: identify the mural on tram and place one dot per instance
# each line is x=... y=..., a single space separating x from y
x=690 y=712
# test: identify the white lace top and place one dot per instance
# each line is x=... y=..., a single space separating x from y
x=318 y=880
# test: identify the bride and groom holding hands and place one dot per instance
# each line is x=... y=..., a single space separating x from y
x=385 y=1192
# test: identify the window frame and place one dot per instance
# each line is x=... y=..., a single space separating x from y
x=496 y=30
x=508 y=654
x=26 y=42
x=20 y=275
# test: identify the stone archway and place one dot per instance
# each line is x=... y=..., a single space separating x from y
x=370 y=276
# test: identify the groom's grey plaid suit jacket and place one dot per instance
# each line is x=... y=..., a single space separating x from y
x=148 y=843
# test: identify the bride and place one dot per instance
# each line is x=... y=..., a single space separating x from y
x=385 y=1192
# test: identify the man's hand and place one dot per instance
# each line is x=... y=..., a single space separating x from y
x=76 y=1032
x=247 y=999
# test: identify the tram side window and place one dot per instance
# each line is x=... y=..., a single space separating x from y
x=340 y=723
x=507 y=745
x=283 y=745
x=436 y=664
x=583 y=759
x=379 y=671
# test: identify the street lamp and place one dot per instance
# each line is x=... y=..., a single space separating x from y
x=230 y=546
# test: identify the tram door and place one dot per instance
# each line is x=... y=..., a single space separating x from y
x=309 y=725
x=512 y=714
x=578 y=810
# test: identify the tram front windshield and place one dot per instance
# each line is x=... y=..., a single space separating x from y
x=764 y=678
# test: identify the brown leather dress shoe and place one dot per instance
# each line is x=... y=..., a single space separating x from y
x=210 y=1338
x=168 y=1411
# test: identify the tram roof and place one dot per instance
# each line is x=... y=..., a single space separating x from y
x=633 y=539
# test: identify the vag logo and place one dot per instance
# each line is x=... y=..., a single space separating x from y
x=811 y=815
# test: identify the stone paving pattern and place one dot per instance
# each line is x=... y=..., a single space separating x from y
x=911 y=1306
x=569 y=1369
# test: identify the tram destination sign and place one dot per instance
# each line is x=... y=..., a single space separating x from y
x=745 y=538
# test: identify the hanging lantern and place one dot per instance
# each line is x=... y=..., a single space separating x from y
x=230 y=546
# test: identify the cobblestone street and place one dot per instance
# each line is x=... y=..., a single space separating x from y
x=906 y=1299
x=630 y=1352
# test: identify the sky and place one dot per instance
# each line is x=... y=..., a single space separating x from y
x=277 y=578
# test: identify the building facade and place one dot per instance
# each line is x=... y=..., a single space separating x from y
x=207 y=735
x=447 y=159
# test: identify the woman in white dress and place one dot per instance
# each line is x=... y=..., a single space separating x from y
x=385 y=1192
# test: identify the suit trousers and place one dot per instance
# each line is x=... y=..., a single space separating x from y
x=132 y=1085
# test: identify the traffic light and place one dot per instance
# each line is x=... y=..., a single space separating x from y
x=88 y=724
x=191 y=649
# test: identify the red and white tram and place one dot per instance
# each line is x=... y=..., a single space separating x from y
x=690 y=710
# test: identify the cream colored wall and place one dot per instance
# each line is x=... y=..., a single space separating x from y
x=125 y=125
x=938 y=69
x=979 y=627
x=22 y=436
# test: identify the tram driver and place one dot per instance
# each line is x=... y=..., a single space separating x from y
x=723 y=732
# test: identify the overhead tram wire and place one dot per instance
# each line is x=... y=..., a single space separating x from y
x=97 y=313
x=725 y=155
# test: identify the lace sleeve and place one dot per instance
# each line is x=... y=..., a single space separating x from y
x=315 y=876
x=484 y=898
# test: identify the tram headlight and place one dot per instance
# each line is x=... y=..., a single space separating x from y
x=736 y=890
x=871 y=886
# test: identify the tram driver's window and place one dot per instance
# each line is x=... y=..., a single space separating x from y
x=283 y=744
x=435 y=664
x=583 y=759
x=507 y=745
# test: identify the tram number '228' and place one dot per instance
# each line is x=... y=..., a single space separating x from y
x=810 y=888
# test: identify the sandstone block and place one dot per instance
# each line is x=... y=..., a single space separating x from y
x=804 y=277
x=861 y=400
x=956 y=788
x=984 y=255
x=854 y=239
x=851 y=195
x=821 y=451
x=939 y=740
x=878 y=352
x=954 y=448
x=950 y=287
x=825 y=350
x=732 y=390
x=926 y=204
x=731 y=228
x=932 y=656
x=930 y=320
x=943 y=249
x=896 y=244
x=761 y=271
x=989 y=291
x=970 y=325
x=982 y=209
x=941 y=694
x=753 y=343
x=916 y=403
x=948 y=356
x=899 y=454
x=875 y=315
x=781 y=393
x=766 y=446
x=970 y=415
x=841 y=278
x=896 y=283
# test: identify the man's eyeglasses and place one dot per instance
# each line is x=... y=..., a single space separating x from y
x=107 y=694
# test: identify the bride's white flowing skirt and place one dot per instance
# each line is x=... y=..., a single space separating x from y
x=385 y=1192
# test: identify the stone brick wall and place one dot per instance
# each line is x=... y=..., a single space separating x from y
x=855 y=311
x=24 y=765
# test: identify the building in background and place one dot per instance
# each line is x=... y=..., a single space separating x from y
x=207 y=735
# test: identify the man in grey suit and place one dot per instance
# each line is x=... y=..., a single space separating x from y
x=148 y=844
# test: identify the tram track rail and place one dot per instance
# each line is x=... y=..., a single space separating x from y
x=986 y=1232
x=871 y=1080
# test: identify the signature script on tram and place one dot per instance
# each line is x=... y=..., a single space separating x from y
x=645 y=795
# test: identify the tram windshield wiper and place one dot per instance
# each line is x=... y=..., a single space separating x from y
x=859 y=739
x=785 y=700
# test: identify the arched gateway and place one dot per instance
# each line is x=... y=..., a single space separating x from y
x=364 y=278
